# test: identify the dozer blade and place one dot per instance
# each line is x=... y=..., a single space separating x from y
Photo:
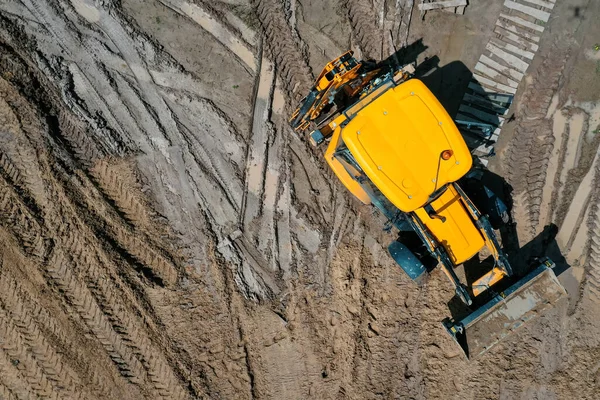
x=507 y=311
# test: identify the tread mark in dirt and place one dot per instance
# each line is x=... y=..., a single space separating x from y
x=83 y=302
x=5 y=393
x=82 y=146
x=146 y=255
x=11 y=380
x=17 y=148
x=42 y=317
x=14 y=345
x=108 y=177
x=216 y=28
x=18 y=219
x=10 y=172
x=364 y=26
x=109 y=301
x=256 y=160
x=593 y=259
x=531 y=148
x=47 y=357
x=281 y=48
x=159 y=372
x=131 y=242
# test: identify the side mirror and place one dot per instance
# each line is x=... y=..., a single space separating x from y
x=410 y=264
x=497 y=210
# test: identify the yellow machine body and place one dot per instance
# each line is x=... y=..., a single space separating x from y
x=392 y=144
x=458 y=234
x=397 y=138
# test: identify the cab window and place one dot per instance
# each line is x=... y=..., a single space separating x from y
x=344 y=156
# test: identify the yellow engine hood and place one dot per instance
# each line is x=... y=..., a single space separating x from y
x=398 y=139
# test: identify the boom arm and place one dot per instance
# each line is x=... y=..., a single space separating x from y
x=343 y=82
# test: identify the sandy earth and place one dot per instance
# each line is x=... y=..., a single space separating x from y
x=164 y=233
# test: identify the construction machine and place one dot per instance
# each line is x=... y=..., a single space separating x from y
x=393 y=145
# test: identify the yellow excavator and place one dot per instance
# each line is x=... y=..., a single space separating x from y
x=393 y=145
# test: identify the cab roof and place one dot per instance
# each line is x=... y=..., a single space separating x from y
x=398 y=139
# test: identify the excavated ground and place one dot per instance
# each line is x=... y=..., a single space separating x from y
x=165 y=234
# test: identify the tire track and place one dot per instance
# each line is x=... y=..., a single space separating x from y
x=256 y=162
x=159 y=372
x=592 y=266
x=85 y=150
x=364 y=25
x=17 y=217
x=165 y=130
x=281 y=48
x=27 y=304
x=221 y=167
x=576 y=178
x=50 y=361
x=14 y=345
x=87 y=308
x=285 y=256
x=16 y=144
x=55 y=222
x=196 y=13
x=117 y=329
x=5 y=393
x=9 y=171
x=139 y=114
x=531 y=147
x=12 y=380
x=110 y=300
x=14 y=209
x=272 y=190
x=109 y=177
x=94 y=87
x=135 y=242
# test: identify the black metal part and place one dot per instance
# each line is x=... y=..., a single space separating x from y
x=316 y=137
x=483 y=130
x=307 y=103
x=409 y=262
x=433 y=214
x=486 y=201
x=484 y=224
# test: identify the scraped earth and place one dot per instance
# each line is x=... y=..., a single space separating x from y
x=165 y=234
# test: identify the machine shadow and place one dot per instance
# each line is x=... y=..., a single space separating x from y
x=448 y=83
x=405 y=55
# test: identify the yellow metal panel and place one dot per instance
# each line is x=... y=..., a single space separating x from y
x=459 y=236
x=340 y=171
x=487 y=281
x=398 y=139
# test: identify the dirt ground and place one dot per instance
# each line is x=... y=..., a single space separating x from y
x=165 y=234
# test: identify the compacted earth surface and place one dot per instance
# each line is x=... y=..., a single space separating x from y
x=164 y=233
